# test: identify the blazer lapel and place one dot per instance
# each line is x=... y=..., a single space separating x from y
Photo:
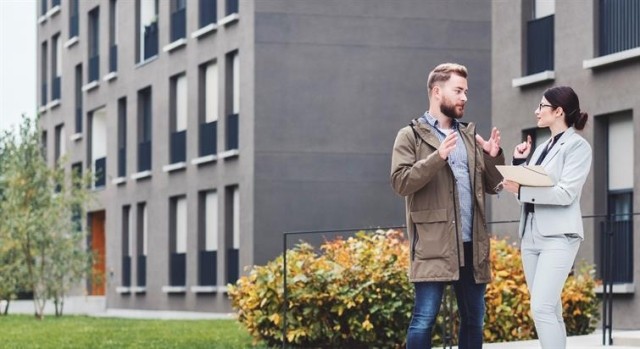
x=556 y=148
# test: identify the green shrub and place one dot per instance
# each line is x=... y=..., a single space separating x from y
x=355 y=293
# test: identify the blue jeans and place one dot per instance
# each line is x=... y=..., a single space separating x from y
x=470 y=298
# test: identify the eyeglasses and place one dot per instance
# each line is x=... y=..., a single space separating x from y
x=540 y=106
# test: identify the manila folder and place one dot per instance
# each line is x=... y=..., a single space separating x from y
x=532 y=176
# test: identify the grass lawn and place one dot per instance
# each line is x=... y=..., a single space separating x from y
x=21 y=331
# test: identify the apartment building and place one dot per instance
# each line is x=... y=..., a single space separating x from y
x=213 y=126
x=593 y=46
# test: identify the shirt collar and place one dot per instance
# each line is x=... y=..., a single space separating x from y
x=427 y=118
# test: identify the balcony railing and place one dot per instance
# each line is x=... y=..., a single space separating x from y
x=122 y=162
x=232 y=131
x=178 y=269
x=207 y=268
x=100 y=174
x=142 y=271
x=232 y=6
x=113 y=58
x=619 y=25
x=144 y=156
x=94 y=68
x=208 y=138
x=78 y=126
x=150 y=40
x=233 y=265
x=178 y=146
x=208 y=12
x=179 y=24
x=43 y=94
x=540 y=45
x=43 y=7
x=126 y=271
x=73 y=25
x=55 y=3
x=55 y=88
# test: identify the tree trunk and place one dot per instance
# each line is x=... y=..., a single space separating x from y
x=6 y=308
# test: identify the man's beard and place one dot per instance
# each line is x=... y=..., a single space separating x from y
x=450 y=111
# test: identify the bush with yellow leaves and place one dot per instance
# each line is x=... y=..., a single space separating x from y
x=355 y=293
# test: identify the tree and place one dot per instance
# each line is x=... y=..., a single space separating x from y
x=36 y=210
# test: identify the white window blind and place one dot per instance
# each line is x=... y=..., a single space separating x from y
x=211 y=221
x=620 y=152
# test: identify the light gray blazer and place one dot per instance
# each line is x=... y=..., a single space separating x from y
x=557 y=208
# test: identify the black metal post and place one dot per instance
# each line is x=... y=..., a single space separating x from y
x=286 y=294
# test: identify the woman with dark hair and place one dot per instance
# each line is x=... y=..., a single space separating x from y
x=551 y=221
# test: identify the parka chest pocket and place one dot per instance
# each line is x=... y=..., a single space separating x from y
x=432 y=238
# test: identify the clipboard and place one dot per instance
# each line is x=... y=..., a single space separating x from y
x=531 y=176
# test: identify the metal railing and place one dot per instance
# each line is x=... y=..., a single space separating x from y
x=207 y=268
x=232 y=7
x=233 y=265
x=113 y=58
x=178 y=146
x=122 y=162
x=100 y=172
x=178 y=269
x=150 y=37
x=178 y=24
x=613 y=238
x=126 y=271
x=55 y=88
x=233 y=131
x=144 y=156
x=619 y=25
x=94 y=68
x=208 y=12
x=73 y=24
x=208 y=138
x=142 y=271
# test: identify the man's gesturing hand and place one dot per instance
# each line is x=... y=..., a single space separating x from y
x=491 y=146
x=447 y=145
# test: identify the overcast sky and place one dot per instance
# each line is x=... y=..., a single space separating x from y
x=17 y=61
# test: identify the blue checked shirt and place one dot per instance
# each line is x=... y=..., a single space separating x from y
x=459 y=164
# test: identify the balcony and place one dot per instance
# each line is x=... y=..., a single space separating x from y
x=178 y=269
x=100 y=175
x=122 y=162
x=144 y=156
x=208 y=12
x=208 y=138
x=207 y=268
x=126 y=271
x=178 y=146
x=94 y=68
x=55 y=88
x=619 y=26
x=73 y=25
x=179 y=24
x=113 y=58
x=540 y=44
x=233 y=265
x=142 y=271
x=150 y=41
x=232 y=131
x=232 y=7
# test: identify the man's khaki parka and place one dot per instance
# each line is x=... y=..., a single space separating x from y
x=433 y=224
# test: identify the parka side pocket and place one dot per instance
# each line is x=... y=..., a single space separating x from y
x=433 y=239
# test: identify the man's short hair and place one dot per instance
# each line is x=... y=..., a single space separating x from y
x=442 y=73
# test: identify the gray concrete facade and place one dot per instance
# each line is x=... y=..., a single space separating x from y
x=606 y=86
x=324 y=87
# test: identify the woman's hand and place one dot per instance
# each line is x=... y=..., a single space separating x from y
x=511 y=186
x=522 y=150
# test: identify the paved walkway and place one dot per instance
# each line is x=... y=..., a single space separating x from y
x=621 y=340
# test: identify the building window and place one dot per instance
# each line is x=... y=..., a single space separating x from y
x=208 y=12
x=74 y=19
x=98 y=146
x=232 y=7
x=122 y=137
x=141 y=239
x=208 y=108
x=540 y=41
x=78 y=97
x=44 y=146
x=56 y=66
x=127 y=246
x=233 y=100
x=147 y=29
x=619 y=25
x=144 y=129
x=178 y=241
x=178 y=122
x=43 y=7
x=232 y=223
x=113 y=36
x=208 y=239
x=178 y=20
x=43 y=74
x=60 y=145
x=620 y=194
x=94 y=44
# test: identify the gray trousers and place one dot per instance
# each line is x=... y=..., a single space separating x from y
x=547 y=261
